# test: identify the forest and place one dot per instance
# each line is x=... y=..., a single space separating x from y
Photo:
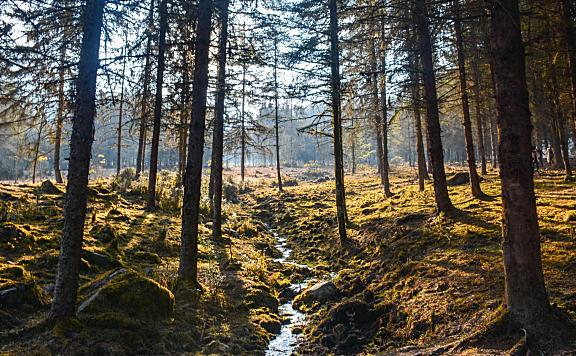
x=297 y=177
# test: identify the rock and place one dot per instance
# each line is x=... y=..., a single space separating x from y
x=296 y=330
x=319 y=293
x=272 y=326
x=148 y=257
x=260 y=296
x=117 y=215
x=127 y=292
x=103 y=233
x=459 y=178
x=17 y=287
x=47 y=187
x=216 y=347
x=100 y=259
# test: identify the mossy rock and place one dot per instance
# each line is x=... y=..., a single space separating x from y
x=17 y=287
x=117 y=215
x=103 y=233
x=128 y=292
x=267 y=321
x=570 y=216
x=47 y=187
x=13 y=236
x=259 y=296
x=148 y=257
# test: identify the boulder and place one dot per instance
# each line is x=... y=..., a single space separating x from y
x=126 y=292
x=459 y=178
x=319 y=293
x=17 y=287
x=259 y=296
x=47 y=187
x=100 y=259
x=103 y=233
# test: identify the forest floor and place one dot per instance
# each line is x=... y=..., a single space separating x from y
x=410 y=282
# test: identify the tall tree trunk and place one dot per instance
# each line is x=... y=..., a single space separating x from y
x=60 y=114
x=66 y=287
x=384 y=103
x=243 y=126
x=466 y=121
x=415 y=83
x=558 y=122
x=183 y=129
x=188 y=270
x=163 y=12
x=436 y=153
x=376 y=107
x=276 y=114
x=140 y=157
x=337 y=122
x=570 y=44
x=37 y=147
x=218 y=134
x=479 y=113
x=120 y=117
x=525 y=293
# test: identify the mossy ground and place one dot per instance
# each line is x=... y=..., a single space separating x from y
x=427 y=279
x=120 y=232
x=416 y=278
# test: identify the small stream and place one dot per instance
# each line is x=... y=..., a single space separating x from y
x=285 y=342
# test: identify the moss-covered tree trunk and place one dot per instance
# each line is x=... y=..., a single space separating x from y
x=525 y=293
x=66 y=287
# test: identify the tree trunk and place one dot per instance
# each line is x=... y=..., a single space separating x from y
x=277 y=118
x=570 y=43
x=525 y=293
x=37 y=147
x=467 y=122
x=66 y=287
x=60 y=115
x=183 y=129
x=152 y=175
x=188 y=270
x=479 y=113
x=120 y=117
x=436 y=153
x=376 y=108
x=145 y=95
x=243 y=127
x=337 y=122
x=218 y=134
x=415 y=82
x=384 y=103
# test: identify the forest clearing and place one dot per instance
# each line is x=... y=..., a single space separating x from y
x=295 y=177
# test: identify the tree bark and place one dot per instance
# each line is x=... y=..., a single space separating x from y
x=376 y=108
x=384 y=104
x=120 y=117
x=466 y=121
x=276 y=115
x=570 y=44
x=188 y=270
x=243 y=127
x=415 y=82
x=479 y=113
x=140 y=157
x=152 y=175
x=218 y=133
x=66 y=287
x=337 y=122
x=60 y=115
x=436 y=153
x=525 y=294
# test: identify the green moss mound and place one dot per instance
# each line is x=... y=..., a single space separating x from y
x=128 y=292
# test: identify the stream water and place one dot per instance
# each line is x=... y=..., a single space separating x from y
x=285 y=342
